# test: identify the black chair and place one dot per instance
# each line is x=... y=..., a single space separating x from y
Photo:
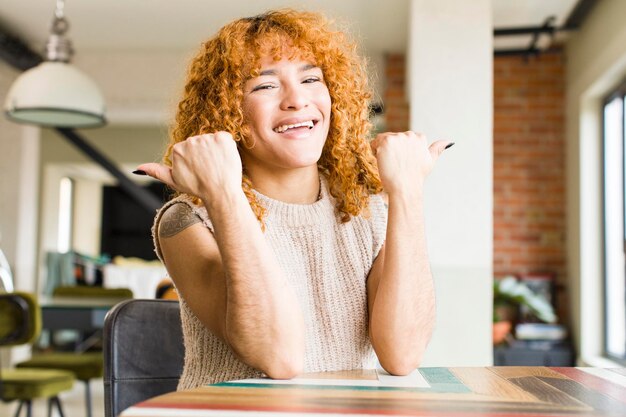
x=143 y=352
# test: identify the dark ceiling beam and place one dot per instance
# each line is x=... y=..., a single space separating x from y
x=579 y=14
x=522 y=30
x=19 y=56
x=141 y=195
x=548 y=24
x=16 y=53
x=520 y=51
x=547 y=28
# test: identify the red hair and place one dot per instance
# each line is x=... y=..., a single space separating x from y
x=213 y=97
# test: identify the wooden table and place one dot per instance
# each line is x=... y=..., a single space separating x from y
x=456 y=392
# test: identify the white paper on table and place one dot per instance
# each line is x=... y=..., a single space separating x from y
x=413 y=380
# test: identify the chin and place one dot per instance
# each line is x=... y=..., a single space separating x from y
x=302 y=162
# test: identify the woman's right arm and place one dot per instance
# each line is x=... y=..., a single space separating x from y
x=230 y=279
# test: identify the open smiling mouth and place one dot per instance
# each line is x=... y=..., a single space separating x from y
x=283 y=128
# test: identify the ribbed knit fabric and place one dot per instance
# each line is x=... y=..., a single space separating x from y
x=327 y=262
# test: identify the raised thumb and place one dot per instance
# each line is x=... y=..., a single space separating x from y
x=436 y=148
x=160 y=172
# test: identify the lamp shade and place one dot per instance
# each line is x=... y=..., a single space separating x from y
x=55 y=94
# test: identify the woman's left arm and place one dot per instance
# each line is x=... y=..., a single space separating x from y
x=401 y=295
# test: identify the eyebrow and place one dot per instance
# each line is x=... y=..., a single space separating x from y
x=271 y=71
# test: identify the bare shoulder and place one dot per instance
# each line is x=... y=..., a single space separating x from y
x=177 y=218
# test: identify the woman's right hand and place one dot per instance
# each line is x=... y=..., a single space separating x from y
x=205 y=166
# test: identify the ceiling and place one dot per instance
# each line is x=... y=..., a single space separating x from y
x=183 y=24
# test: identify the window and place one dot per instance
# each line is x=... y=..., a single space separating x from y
x=64 y=237
x=614 y=174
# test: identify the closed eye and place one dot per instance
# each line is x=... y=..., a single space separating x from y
x=264 y=87
x=309 y=80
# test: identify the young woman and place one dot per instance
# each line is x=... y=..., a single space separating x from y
x=282 y=250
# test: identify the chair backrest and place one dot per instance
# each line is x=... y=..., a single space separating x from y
x=143 y=352
x=84 y=291
x=20 y=318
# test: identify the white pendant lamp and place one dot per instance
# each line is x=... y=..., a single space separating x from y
x=55 y=93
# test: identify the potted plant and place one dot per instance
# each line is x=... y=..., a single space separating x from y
x=509 y=295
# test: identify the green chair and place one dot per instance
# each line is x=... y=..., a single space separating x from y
x=20 y=323
x=84 y=365
x=84 y=291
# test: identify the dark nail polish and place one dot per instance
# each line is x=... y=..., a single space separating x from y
x=449 y=145
x=139 y=172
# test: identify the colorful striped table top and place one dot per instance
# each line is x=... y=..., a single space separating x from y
x=456 y=392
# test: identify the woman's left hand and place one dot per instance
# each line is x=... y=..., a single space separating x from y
x=405 y=160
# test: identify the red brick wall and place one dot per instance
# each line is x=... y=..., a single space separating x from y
x=396 y=105
x=529 y=165
x=529 y=159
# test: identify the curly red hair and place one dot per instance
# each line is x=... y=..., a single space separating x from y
x=213 y=97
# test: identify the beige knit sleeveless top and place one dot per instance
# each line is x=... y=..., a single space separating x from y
x=327 y=263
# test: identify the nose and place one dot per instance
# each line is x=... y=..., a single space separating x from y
x=294 y=97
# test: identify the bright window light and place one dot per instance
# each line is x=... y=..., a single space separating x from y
x=66 y=189
x=614 y=227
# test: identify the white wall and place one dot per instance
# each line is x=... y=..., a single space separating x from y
x=139 y=87
x=596 y=57
x=19 y=174
x=450 y=89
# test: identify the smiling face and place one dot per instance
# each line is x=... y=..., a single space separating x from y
x=287 y=110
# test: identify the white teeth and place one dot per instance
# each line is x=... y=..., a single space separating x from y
x=284 y=128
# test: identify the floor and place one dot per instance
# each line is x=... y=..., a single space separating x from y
x=73 y=402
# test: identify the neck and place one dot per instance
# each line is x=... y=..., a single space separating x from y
x=300 y=186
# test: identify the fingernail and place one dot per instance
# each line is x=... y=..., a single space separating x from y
x=449 y=145
x=139 y=172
